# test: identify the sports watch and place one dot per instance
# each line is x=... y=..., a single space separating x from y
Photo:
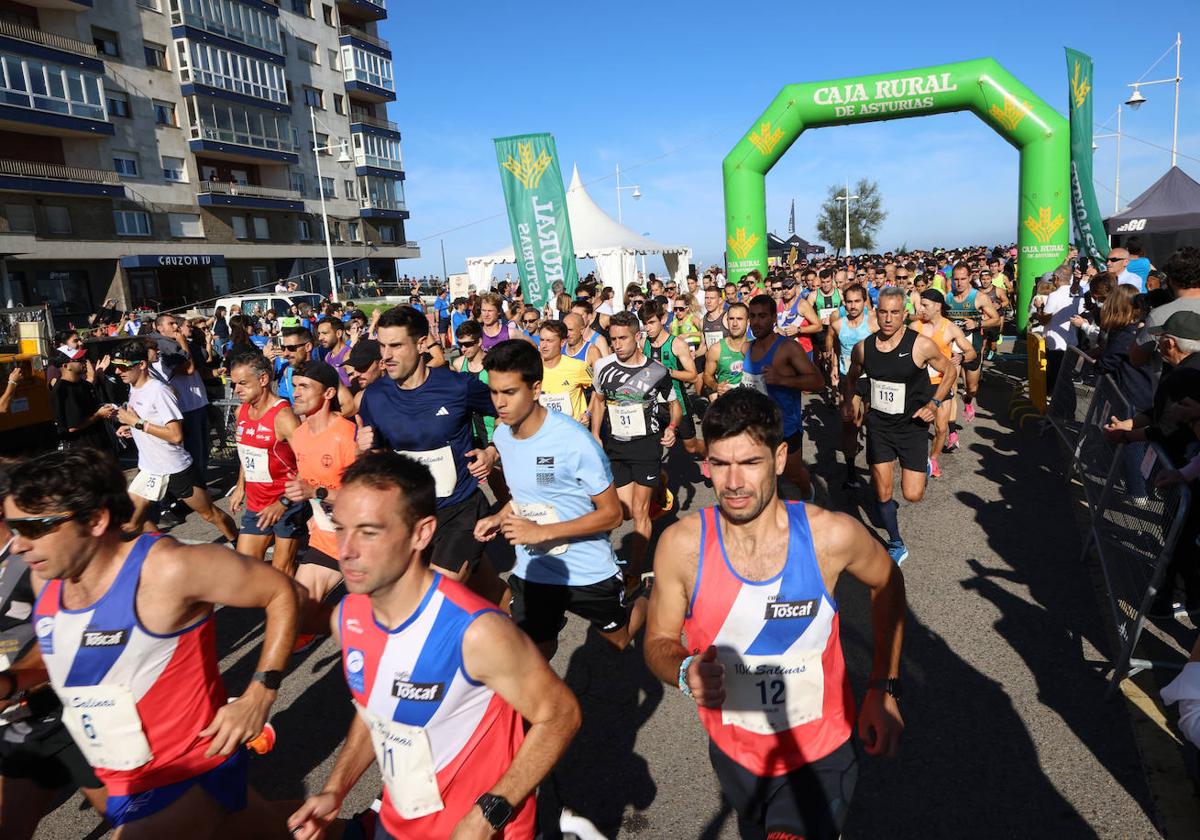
x=322 y=493
x=270 y=679
x=936 y=402
x=496 y=810
x=888 y=686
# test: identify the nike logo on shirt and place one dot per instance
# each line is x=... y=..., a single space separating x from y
x=901 y=355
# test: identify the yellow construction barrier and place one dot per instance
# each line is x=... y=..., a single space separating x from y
x=31 y=403
x=1036 y=372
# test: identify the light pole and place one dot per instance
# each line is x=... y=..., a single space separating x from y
x=637 y=192
x=846 y=197
x=1136 y=99
x=1117 y=193
x=344 y=157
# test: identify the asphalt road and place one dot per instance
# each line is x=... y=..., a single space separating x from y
x=1007 y=732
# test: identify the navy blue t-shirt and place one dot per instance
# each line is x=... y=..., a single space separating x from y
x=431 y=423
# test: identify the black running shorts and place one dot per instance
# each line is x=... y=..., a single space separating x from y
x=454 y=542
x=540 y=609
x=907 y=442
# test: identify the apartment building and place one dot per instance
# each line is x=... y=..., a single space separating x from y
x=164 y=152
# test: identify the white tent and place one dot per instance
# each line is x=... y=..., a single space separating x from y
x=598 y=236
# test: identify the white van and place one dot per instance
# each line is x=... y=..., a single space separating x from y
x=281 y=302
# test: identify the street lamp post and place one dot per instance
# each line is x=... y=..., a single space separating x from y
x=637 y=192
x=344 y=157
x=846 y=197
x=1136 y=99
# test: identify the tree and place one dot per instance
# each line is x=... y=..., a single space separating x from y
x=866 y=215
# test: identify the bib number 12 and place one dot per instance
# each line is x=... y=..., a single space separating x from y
x=770 y=692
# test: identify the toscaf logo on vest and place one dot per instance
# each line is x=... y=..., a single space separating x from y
x=791 y=609
x=104 y=638
x=403 y=689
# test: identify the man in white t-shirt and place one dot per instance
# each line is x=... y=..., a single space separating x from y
x=1064 y=303
x=153 y=420
x=1118 y=264
x=176 y=366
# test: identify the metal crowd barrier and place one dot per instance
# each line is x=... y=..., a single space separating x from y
x=1134 y=525
x=1071 y=398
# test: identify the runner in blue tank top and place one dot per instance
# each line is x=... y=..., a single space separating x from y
x=779 y=368
x=848 y=330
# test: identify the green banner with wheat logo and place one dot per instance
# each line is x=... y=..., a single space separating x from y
x=537 y=215
x=1089 y=224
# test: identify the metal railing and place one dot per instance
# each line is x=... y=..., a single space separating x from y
x=355 y=32
x=47 y=39
x=247 y=190
x=1134 y=524
x=375 y=121
x=57 y=172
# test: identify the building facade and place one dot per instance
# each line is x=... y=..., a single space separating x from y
x=165 y=152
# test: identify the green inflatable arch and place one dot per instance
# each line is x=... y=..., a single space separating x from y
x=981 y=86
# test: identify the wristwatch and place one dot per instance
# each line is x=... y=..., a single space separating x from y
x=140 y=425
x=496 y=810
x=888 y=686
x=270 y=679
x=322 y=493
x=936 y=402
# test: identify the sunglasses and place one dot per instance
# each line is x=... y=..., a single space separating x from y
x=530 y=321
x=680 y=309
x=901 y=276
x=1117 y=259
x=777 y=288
x=291 y=348
x=32 y=527
x=467 y=343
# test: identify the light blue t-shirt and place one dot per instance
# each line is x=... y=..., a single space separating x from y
x=553 y=476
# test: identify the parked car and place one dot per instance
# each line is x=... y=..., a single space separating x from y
x=281 y=302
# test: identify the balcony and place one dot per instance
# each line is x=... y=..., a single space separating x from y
x=379 y=205
x=228 y=131
x=363 y=9
x=364 y=121
x=223 y=194
x=31 y=177
x=61 y=5
x=46 y=45
x=255 y=24
x=367 y=83
x=366 y=163
x=45 y=98
x=349 y=34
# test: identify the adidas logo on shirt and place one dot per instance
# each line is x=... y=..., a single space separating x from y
x=442 y=412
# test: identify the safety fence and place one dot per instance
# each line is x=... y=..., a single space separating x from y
x=1134 y=524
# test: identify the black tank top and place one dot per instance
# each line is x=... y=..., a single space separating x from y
x=896 y=368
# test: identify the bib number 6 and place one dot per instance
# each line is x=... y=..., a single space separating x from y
x=88 y=728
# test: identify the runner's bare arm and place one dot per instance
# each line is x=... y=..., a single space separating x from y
x=496 y=653
x=850 y=380
x=960 y=340
x=793 y=369
x=209 y=574
x=712 y=358
x=320 y=810
x=835 y=324
x=927 y=353
x=991 y=316
x=605 y=517
x=675 y=563
x=602 y=346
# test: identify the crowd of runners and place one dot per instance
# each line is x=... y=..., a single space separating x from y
x=380 y=454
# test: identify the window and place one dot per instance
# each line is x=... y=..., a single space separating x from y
x=306 y=51
x=242 y=22
x=58 y=220
x=387 y=233
x=156 y=55
x=125 y=163
x=118 y=104
x=335 y=231
x=132 y=222
x=335 y=60
x=305 y=230
x=106 y=42
x=239 y=226
x=298 y=182
x=20 y=218
x=302 y=7
x=315 y=98
x=327 y=13
x=216 y=66
x=327 y=187
x=259 y=277
x=339 y=103
x=348 y=189
x=261 y=229
x=354 y=232
x=173 y=169
x=164 y=113
x=185 y=225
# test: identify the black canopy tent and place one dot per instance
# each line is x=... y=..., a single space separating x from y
x=780 y=248
x=1165 y=217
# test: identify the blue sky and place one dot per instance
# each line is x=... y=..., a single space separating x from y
x=666 y=88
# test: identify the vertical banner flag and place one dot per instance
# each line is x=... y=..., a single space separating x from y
x=1089 y=224
x=537 y=214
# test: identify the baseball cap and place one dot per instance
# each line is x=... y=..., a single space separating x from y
x=363 y=352
x=1183 y=324
x=934 y=295
x=130 y=353
x=319 y=372
x=788 y=282
x=71 y=354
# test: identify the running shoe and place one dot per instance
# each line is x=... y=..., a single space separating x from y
x=951 y=443
x=897 y=551
x=934 y=470
x=657 y=510
x=969 y=411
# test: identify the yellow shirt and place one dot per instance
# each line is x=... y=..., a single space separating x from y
x=563 y=386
